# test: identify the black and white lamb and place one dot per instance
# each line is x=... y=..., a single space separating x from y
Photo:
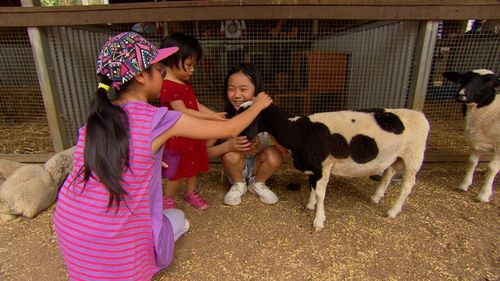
x=351 y=144
x=482 y=123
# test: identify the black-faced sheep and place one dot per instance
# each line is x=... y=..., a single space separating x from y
x=27 y=189
x=350 y=144
x=482 y=123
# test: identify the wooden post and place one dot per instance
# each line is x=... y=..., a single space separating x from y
x=422 y=67
x=56 y=127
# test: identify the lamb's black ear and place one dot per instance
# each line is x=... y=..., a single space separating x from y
x=492 y=80
x=453 y=76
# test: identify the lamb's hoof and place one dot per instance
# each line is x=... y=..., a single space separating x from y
x=376 y=199
x=393 y=213
x=483 y=198
x=318 y=227
x=310 y=206
x=319 y=223
x=463 y=187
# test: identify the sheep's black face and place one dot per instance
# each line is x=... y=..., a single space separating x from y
x=253 y=129
x=476 y=86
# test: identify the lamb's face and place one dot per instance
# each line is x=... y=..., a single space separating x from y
x=477 y=86
x=253 y=129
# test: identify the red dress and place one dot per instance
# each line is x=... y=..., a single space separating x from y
x=194 y=159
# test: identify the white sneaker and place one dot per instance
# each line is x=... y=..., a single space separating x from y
x=233 y=196
x=264 y=193
x=186 y=225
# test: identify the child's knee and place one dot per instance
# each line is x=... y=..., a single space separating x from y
x=177 y=221
x=273 y=157
x=174 y=215
x=232 y=158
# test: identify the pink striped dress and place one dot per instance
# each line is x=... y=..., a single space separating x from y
x=135 y=242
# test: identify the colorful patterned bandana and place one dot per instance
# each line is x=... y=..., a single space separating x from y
x=125 y=55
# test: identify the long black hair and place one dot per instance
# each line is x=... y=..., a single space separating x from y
x=188 y=46
x=106 y=152
x=252 y=73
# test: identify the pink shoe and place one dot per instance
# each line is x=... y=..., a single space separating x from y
x=195 y=200
x=168 y=203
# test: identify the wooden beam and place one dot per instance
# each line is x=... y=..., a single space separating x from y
x=219 y=10
x=27 y=158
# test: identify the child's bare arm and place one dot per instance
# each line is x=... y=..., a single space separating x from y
x=214 y=115
x=178 y=105
x=239 y=143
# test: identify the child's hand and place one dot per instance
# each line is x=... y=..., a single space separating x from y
x=240 y=143
x=219 y=116
x=262 y=100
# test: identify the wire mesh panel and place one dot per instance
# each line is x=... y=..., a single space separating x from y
x=460 y=46
x=23 y=123
x=308 y=65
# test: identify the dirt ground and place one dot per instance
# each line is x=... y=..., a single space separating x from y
x=441 y=234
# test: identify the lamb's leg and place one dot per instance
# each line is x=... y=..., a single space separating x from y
x=467 y=181
x=313 y=181
x=406 y=186
x=486 y=190
x=320 y=198
x=312 y=200
x=320 y=207
x=386 y=179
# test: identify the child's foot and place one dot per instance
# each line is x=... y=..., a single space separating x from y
x=195 y=200
x=233 y=196
x=264 y=193
x=168 y=203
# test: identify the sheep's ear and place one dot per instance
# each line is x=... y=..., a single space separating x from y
x=453 y=76
x=492 y=80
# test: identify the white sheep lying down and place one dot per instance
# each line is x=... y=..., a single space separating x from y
x=28 y=189
x=482 y=123
x=351 y=144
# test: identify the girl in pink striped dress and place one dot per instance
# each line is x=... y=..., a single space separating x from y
x=109 y=219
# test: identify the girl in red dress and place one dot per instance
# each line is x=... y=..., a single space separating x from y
x=178 y=94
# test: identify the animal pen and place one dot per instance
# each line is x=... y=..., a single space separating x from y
x=315 y=56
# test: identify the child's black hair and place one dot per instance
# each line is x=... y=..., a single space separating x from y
x=252 y=73
x=106 y=152
x=188 y=46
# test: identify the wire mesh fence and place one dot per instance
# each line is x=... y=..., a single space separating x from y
x=308 y=66
x=23 y=123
